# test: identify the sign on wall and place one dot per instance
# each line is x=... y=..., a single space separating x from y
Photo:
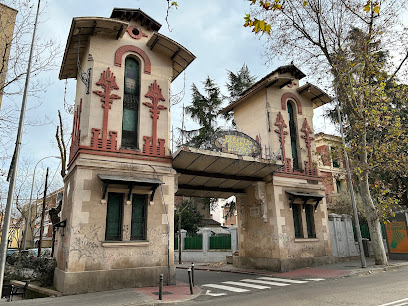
x=397 y=237
x=236 y=143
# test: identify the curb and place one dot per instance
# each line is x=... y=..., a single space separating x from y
x=356 y=272
x=367 y=271
x=229 y=271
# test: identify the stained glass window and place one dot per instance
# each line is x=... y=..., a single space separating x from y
x=131 y=104
x=293 y=136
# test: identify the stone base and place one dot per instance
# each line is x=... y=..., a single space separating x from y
x=280 y=265
x=90 y=281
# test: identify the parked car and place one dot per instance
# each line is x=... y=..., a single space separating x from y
x=10 y=252
x=45 y=252
x=13 y=256
x=31 y=253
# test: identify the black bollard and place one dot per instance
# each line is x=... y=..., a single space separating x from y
x=189 y=280
x=192 y=273
x=161 y=287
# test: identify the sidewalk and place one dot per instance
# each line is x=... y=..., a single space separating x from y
x=132 y=296
x=340 y=269
x=181 y=291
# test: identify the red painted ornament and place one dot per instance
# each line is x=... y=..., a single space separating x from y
x=152 y=145
x=310 y=168
x=280 y=123
x=291 y=96
x=108 y=82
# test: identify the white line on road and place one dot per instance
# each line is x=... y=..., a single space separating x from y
x=264 y=282
x=314 y=279
x=228 y=288
x=246 y=285
x=292 y=281
x=395 y=303
x=215 y=294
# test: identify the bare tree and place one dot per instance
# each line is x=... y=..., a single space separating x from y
x=45 y=53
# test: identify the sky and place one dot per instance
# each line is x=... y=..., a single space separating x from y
x=212 y=30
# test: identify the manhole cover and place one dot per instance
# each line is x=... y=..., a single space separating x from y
x=163 y=293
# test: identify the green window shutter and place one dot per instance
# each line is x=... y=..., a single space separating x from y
x=311 y=232
x=138 y=227
x=114 y=217
x=297 y=220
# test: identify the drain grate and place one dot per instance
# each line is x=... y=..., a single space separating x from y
x=164 y=293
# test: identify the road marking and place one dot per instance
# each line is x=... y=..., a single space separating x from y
x=314 y=279
x=264 y=282
x=215 y=294
x=228 y=288
x=285 y=280
x=246 y=285
x=395 y=303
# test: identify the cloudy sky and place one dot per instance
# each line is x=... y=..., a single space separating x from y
x=212 y=30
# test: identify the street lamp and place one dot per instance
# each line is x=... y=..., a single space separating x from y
x=29 y=204
x=351 y=190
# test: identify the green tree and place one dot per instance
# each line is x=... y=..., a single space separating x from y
x=239 y=82
x=332 y=37
x=190 y=216
x=204 y=110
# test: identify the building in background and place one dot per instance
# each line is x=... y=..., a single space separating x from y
x=7 y=22
x=33 y=234
x=331 y=164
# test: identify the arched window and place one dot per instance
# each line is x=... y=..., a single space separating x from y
x=293 y=135
x=131 y=98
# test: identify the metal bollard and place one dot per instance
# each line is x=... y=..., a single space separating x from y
x=189 y=280
x=192 y=273
x=161 y=287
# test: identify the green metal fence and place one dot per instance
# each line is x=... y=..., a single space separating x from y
x=220 y=242
x=193 y=243
x=176 y=243
x=365 y=232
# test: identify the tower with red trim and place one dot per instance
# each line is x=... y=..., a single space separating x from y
x=116 y=223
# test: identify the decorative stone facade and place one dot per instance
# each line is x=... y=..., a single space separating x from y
x=284 y=224
x=118 y=200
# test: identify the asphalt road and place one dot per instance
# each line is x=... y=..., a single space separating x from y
x=388 y=287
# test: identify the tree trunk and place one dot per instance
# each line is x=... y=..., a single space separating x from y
x=371 y=211
x=373 y=224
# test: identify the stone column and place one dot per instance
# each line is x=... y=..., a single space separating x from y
x=234 y=239
x=242 y=210
x=206 y=239
x=181 y=243
x=260 y=195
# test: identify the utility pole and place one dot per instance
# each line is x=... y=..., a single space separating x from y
x=14 y=164
x=43 y=215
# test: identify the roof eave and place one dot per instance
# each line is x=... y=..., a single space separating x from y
x=179 y=51
x=84 y=38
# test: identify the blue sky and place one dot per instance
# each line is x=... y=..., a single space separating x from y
x=212 y=30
